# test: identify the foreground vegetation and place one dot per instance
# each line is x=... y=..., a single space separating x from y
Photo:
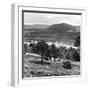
x=50 y=60
x=34 y=68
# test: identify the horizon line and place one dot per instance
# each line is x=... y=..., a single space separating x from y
x=49 y=24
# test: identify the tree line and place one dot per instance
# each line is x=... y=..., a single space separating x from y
x=51 y=51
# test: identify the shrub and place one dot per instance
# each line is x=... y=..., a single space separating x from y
x=67 y=65
x=68 y=56
x=76 y=56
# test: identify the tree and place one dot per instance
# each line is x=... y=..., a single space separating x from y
x=47 y=55
x=25 y=48
x=76 y=56
x=54 y=52
x=42 y=48
x=68 y=56
x=34 y=49
x=63 y=52
x=77 y=41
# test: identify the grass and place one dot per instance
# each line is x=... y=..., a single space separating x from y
x=34 y=68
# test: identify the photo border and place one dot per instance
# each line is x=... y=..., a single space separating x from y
x=17 y=45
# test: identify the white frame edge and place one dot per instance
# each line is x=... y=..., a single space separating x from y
x=14 y=45
x=16 y=42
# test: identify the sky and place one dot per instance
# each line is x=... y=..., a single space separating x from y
x=49 y=19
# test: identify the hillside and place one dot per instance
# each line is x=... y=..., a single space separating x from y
x=55 y=32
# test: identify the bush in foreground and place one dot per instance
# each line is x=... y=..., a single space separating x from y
x=67 y=65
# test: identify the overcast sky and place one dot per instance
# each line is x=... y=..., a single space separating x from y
x=48 y=19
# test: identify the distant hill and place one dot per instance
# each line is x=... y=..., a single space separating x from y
x=55 y=32
x=36 y=26
x=63 y=28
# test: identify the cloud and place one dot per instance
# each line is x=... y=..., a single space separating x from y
x=42 y=18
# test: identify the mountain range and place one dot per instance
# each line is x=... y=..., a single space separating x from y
x=36 y=26
x=55 y=32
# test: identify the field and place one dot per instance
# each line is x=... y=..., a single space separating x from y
x=34 y=68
